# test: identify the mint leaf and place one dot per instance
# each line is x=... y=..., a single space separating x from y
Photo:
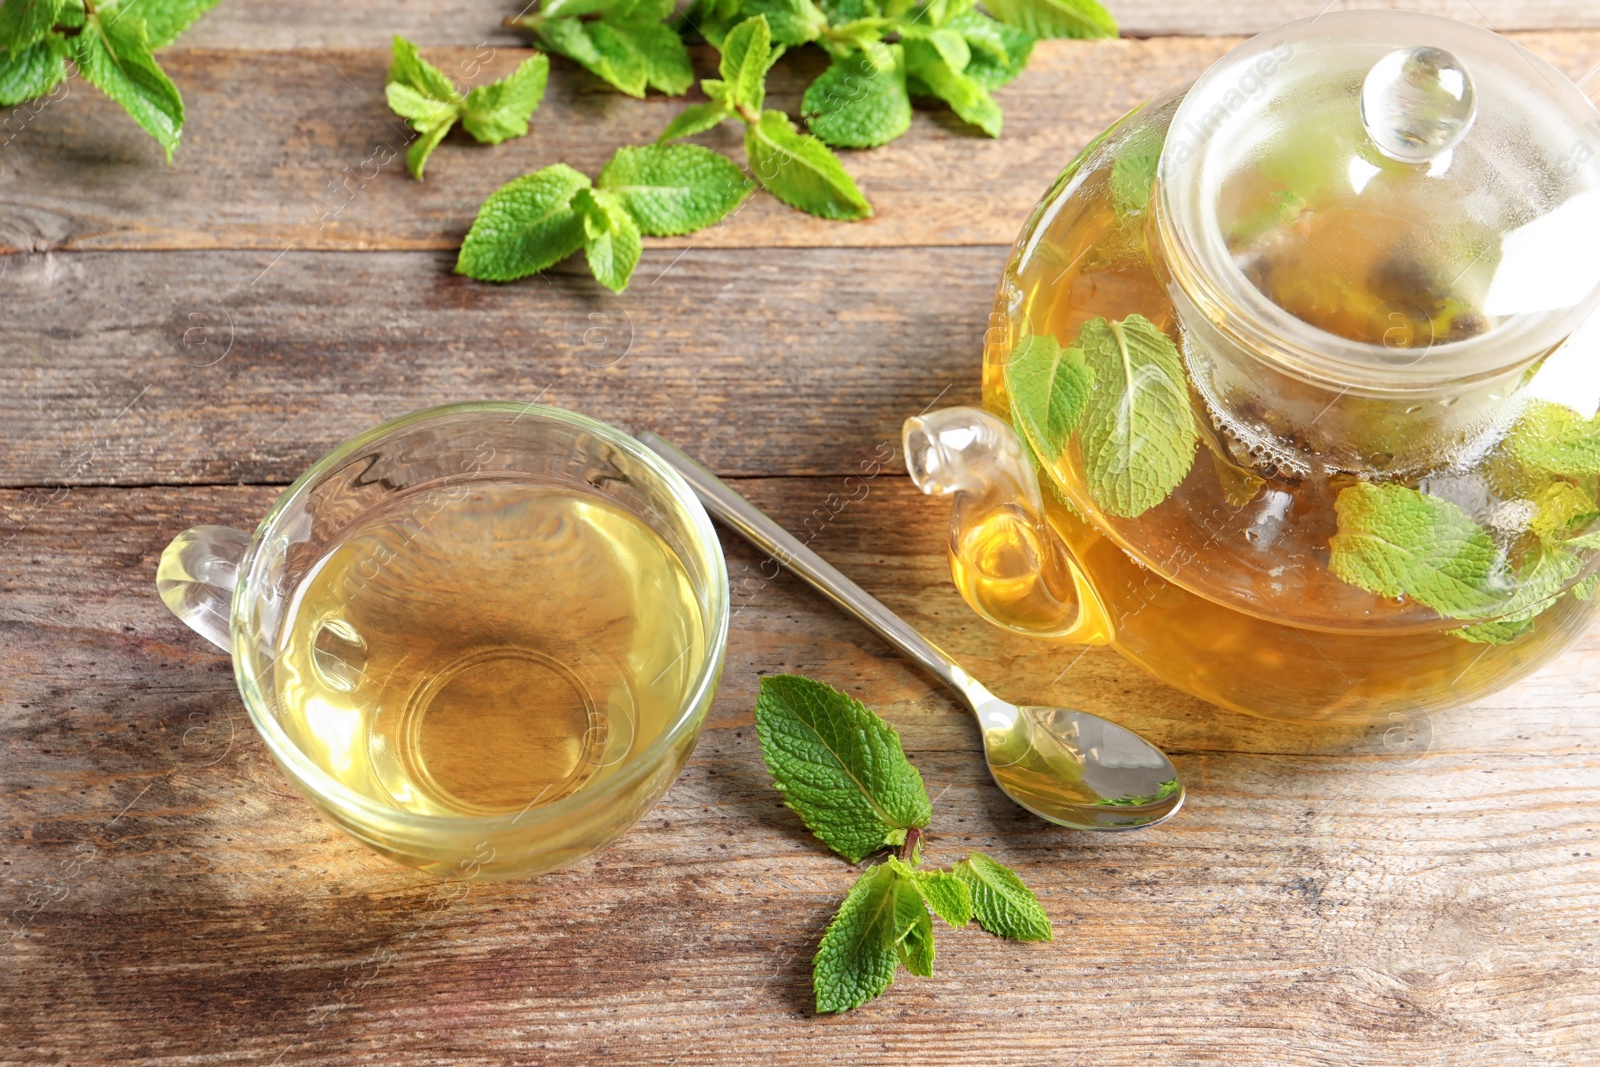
x=526 y=225
x=1559 y=507
x=32 y=72
x=24 y=23
x=1133 y=172
x=792 y=22
x=1552 y=437
x=611 y=241
x=696 y=118
x=425 y=97
x=863 y=944
x=800 y=171
x=999 y=52
x=838 y=766
x=947 y=895
x=1055 y=18
x=915 y=941
x=1395 y=541
x=500 y=110
x=857 y=104
x=599 y=49
x=1137 y=432
x=713 y=18
x=1049 y=387
x=676 y=188
x=165 y=19
x=1543 y=582
x=747 y=55
x=408 y=68
x=666 y=60
x=114 y=57
x=1000 y=902
x=939 y=63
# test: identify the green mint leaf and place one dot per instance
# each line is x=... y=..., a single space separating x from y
x=425 y=97
x=696 y=118
x=164 y=19
x=857 y=104
x=408 y=68
x=838 y=766
x=747 y=55
x=1137 y=433
x=799 y=170
x=599 y=49
x=1055 y=18
x=714 y=18
x=666 y=60
x=500 y=110
x=1049 y=387
x=915 y=928
x=946 y=894
x=24 y=23
x=32 y=72
x=1000 y=902
x=427 y=140
x=792 y=22
x=840 y=12
x=526 y=225
x=611 y=241
x=1552 y=437
x=114 y=57
x=1133 y=172
x=939 y=62
x=1395 y=541
x=674 y=189
x=999 y=52
x=882 y=922
x=1543 y=582
x=1585 y=589
x=1558 y=508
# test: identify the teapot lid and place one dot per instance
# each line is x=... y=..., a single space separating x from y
x=1411 y=197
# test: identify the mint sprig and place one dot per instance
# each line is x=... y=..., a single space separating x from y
x=424 y=96
x=796 y=168
x=535 y=221
x=112 y=45
x=841 y=768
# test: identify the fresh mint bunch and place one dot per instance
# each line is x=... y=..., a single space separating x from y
x=794 y=167
x=111 y=44
x=623 y=42
x=535 y=221
x=842 y=770
x=424 y=96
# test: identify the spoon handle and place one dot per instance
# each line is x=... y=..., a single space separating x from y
x=756 y=527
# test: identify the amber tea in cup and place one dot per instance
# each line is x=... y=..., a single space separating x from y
x=481 y=638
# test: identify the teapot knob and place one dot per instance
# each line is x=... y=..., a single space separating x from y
x=1417 y=103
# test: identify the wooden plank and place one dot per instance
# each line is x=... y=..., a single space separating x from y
x=310 y=157
x=284 y=24
x=139 y=368
x=1322 y=899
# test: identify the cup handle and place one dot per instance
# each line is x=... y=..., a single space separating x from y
x=196 y=577
x=1010 y=565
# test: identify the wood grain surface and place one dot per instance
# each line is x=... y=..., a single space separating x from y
x=178 y=343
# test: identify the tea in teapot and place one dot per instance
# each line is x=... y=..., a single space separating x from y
x=1288 y=393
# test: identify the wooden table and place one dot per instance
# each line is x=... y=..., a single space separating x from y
x=180 y=342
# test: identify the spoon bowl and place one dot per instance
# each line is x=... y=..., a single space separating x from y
x=1069 y=767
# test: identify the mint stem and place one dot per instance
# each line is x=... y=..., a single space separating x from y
x=909 y=849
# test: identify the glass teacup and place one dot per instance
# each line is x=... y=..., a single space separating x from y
x=481 y=638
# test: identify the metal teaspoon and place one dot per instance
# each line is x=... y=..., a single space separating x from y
x=1070 y=767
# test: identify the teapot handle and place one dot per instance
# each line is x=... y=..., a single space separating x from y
x=1010 y=564
x=196 y=578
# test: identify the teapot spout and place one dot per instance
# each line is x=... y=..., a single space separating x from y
x=1009 y=563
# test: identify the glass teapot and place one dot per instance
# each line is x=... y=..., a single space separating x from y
x=1289 y=391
